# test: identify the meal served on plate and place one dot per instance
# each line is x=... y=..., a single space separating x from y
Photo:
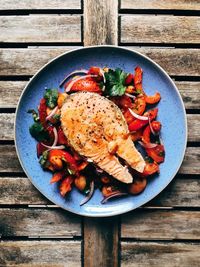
x=86 y=134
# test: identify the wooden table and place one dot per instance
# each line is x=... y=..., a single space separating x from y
x=34 y=232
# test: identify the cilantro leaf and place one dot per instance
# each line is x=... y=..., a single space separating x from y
x=115 y=82
x=34 y=114
x=38 y=132
x=44 y=160
x=51 y=96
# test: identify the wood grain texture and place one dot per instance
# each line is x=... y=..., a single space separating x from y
x=39 y=4
x=40 y=28
x=177 y=62
x=154 y=254
x=161 y=4
x=180 y=193
x=7 y=126
x=190 y=92
x=190 y=163
x=100 y=22
x=160 y=29
x=39 y=223
x=155 y=224
x=40 y=253
x=101 y=242
x=10 y=92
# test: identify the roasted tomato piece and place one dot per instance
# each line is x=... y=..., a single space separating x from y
x=139 y=105
x=138 y=124
x=96 y=71
x=62 y=140
x=150 y=168
x=128 y=116
x=137 y=186
x=156 y=153
x=86 y=84
x=156 y=125
x=153 y=99
x=146 y=135
x=129 y=79
x=56 y=156
x=42 y=111
x=57 y=176
x=65 y=185
x=80 y=182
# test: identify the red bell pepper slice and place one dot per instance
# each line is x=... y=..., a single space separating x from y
x=157 y=153
x=62 y=140
x=146 y=135
x=138 y=79
x=65 y=185
x=129 y=79
x=150 y=168
x=153 y=99
x=42 y=112
x=138 y=124
x=57 y=176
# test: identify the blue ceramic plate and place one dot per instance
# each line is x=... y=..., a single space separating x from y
x=171 y=114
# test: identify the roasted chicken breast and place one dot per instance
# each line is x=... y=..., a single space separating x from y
x=95 y=128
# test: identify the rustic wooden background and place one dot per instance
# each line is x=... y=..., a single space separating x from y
x=33 y=231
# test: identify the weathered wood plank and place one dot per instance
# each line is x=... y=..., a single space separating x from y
x=190 y=163
x=7 y=126
x=101 y=242
x=40 y=28
x=190 y=92
x=161 y=4
x=40 y=253
x=154 y=254
x=156 y=224
x=160 y=29
x=179 y=62
x=39 y=4
x=10 y=92
x=39 y=223
x=180 y=193
x=100 y=22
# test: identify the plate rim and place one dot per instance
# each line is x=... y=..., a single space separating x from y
x=93 y=47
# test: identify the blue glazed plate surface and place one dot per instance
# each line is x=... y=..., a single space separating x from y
x=171 y=114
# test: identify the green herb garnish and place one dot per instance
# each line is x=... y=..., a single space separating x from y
x=38 y=132
x=51 y=96
x=115 y=82
x=44 y=160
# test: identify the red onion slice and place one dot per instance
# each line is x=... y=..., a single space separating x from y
x=52 y=113
x=102 y=73
x=118 y=194
x=131 y=96
x=147 y=145
x=72 y=74
x=69 y=86
x=142 y=118
x=54 y=147
x=88 y=197
x=151 y=128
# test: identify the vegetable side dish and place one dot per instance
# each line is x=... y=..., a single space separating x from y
x=86 y=135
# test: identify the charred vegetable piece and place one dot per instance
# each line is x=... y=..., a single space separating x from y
x=157 y=153
x=156 y=126
x=138 y=80
x=61 y=99
x=138 y=124
x=139 y=105
x=44 y=160
x=65 y=185
x=146 y=135
x=42 y=111
x=57 y=177
x=56 y=157
x=129 y=79
x=80 y=182
x=153 y=99
x=40 y=149
x=150 y=168
x=137 y=186
x=51 y=96
x=87 y=84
